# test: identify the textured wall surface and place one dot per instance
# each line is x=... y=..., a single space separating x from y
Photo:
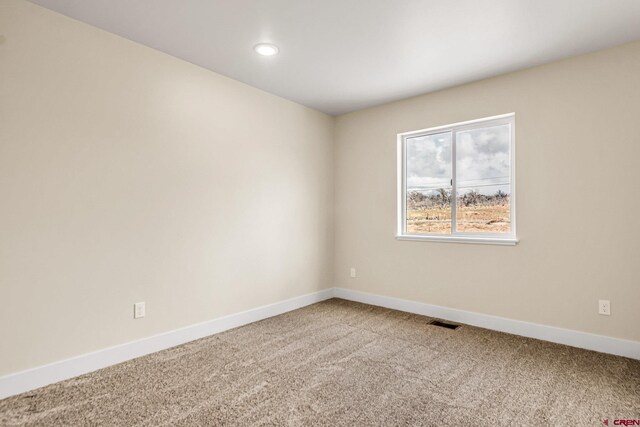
x=577 y=177
x=128 y=175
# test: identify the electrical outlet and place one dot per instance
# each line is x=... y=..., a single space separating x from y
x=353 y=272
x=139 y=310
x=604 y=307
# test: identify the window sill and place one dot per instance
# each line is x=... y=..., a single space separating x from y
x=508 y=241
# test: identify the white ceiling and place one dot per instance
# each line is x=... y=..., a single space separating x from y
x=343 y=55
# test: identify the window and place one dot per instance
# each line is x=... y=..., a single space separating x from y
x=456 y=182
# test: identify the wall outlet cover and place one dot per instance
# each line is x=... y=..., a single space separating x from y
x=604 y=307
x=139 y=310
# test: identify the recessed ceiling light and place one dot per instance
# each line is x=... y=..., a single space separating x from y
x=266 y=49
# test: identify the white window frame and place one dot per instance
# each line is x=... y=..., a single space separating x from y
x=455 y=236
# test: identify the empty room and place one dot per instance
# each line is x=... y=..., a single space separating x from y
x=319 y=213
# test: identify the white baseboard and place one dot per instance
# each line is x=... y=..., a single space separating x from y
x=600 y=343
x=30 y=379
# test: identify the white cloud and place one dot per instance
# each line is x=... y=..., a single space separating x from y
x=429 y=160
x=483 y=160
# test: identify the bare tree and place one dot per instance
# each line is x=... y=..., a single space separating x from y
x=445 y=197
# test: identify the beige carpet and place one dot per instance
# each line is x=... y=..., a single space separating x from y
x=339 y=363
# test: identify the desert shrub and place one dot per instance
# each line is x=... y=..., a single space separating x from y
x=441 y=198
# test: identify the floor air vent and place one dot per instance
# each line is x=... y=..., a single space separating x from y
x=444 y=324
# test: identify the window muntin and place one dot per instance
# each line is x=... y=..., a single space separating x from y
x=457 y=181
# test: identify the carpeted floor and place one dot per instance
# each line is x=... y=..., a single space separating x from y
x=339 y=363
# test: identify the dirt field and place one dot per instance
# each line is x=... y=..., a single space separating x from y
x=486 y=219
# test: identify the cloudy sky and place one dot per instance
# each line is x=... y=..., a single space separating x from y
x=482 y=161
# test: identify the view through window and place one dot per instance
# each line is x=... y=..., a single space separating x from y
x=457 y=180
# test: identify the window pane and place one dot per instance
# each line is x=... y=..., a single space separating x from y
x=429 y=184
x=483 y=178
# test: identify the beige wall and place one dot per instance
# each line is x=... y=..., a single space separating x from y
x=128 y=175
x=578 y=171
